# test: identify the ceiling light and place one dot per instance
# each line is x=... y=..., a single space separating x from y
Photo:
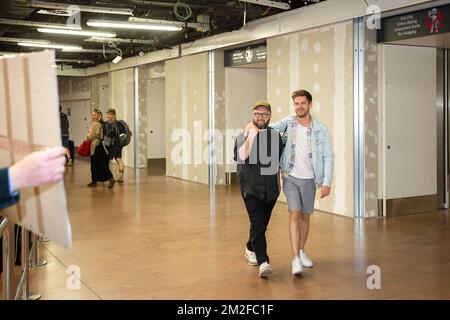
x=36 y=24
x=15 y=40
x=87 y=33
x=166 y=22
x=75 y=8
x=63 y=13
x=97 y=51
x=267 y=3
x=66 y=48
x=119 y=40
x=133 y=25
x=79 y=61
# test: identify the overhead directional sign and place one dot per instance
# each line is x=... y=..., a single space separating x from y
x=416 y=24
x=246 y=55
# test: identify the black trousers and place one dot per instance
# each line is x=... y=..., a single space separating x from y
x=259 y=212
x=100 y=171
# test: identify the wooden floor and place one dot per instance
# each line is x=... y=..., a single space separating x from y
x=162 y=238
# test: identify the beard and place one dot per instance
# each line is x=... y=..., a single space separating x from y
x=261 y=124
x=302 y=114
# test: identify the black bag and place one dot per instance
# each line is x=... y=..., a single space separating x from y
x=125 y=134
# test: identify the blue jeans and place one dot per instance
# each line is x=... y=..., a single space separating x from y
x=65 y=141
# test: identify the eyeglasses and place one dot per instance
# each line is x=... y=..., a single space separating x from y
x=261 y=115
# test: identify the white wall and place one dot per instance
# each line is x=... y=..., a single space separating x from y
x=79 y=119
x=156 y=131
x=75 y=94
x=409 y=107
x=121 y=98
x=243 y=87
x=187 y=117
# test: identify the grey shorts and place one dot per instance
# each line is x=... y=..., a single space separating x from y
x=300 y=194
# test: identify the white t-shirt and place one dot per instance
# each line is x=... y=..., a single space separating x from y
x=303 y=154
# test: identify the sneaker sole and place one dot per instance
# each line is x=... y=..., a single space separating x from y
x=265 y=272
x=297 y=273
x=250 y=262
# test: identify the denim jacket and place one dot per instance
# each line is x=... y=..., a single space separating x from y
x=322 y=154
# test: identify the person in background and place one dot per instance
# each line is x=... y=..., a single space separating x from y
x=113 y=129
x=100 y=171
x=65 y=133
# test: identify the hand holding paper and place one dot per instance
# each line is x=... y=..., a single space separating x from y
x=39 y=168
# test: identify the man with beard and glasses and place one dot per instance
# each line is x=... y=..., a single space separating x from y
x=257 y=151
x=306 y=164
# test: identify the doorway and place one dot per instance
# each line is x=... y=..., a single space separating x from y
x=244 y=85
x=156 y=130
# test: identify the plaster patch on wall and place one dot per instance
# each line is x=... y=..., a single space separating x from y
x=317 y=47
x=278 y=91
x=316 y=87
x=279 y=52
x=317 y=106
x=316 y=68
x=279 y=71
x=370 y=175
x=371 y=118
x=305 y=45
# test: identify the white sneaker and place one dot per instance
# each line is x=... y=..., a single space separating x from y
x=251 y=257
x=296 y=266
x=265 y=269
x=306 y=262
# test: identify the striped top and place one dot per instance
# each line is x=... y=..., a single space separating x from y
x=257 y=175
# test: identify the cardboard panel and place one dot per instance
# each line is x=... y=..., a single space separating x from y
x=29 y=116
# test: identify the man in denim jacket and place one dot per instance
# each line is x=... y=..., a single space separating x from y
x=306 y=164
